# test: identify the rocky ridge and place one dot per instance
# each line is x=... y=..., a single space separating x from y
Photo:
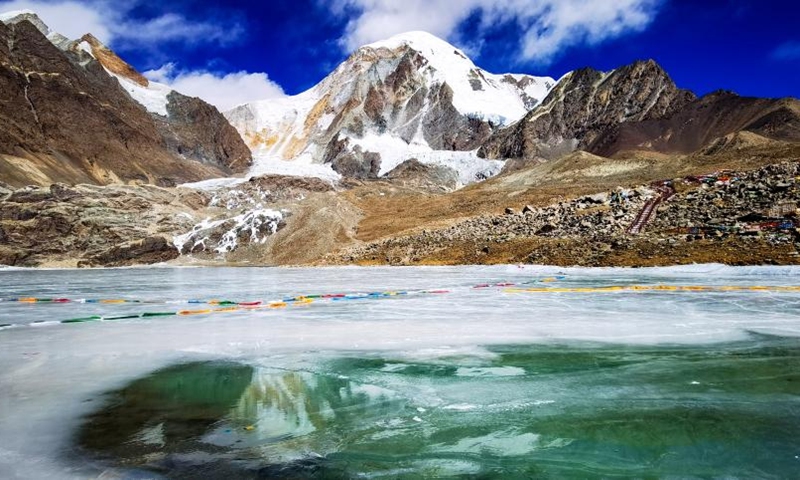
x=583 y=105
x=66 y=119
x=703 y=122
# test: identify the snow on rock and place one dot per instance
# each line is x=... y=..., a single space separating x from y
x=152 y=97
x=227 y=234
x=390 y=98
x=6 y=16
x=270 y=165
x=394 y=151
x=264 y=164
x=17 y=16
x=476 y=92
x=237 y=199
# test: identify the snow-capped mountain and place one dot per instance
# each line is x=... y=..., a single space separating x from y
x=411 y=96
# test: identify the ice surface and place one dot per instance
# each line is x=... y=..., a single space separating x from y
x=48 y=373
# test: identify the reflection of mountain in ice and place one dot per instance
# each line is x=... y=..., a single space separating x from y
x=279 y=410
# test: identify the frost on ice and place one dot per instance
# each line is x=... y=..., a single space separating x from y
x=225 y=235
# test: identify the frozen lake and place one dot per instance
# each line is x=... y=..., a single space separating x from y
x=400 y=372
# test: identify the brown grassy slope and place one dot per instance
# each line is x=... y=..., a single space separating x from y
x=391 y=211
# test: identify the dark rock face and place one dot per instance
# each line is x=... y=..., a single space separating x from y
x=146 y=251
x=701 y=122
x=352 y=162
x=65 y=119
x=357 y=164
x=583 y=105
x=196 y=130
x=445 y=128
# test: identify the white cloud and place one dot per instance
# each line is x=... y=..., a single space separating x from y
x=223 y=91
x=71 y=19
x=548 y=26
x=109 y=21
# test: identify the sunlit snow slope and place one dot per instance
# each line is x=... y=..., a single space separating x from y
x=410 y=96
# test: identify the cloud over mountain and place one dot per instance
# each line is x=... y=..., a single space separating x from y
x=548 y=26
x=224 y=91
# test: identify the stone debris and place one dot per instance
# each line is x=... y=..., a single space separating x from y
x=716 y=206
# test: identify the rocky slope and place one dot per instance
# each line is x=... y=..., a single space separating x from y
x=583 y=105
x=407 y=97
x=703 y=122
x=92 y=225
x=729 y=217
x=117 y=225
x=65 y=118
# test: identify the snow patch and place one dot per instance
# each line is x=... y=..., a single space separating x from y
x=265 y=164
x=271 y=165
x=254 y=226
x=394 y=151
x=153 y=97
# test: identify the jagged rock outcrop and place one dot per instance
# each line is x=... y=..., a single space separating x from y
x=583 y=105
x=109 y=59
x=64 y=118
x=196 y=130
x=149 y=250
x=703 y=122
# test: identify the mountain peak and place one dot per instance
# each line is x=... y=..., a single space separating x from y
x=416 y=39
x=110 y=60
x=7 y=17
x=17 y=16
x=426 y=44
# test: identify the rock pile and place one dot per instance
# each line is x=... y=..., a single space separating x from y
x=594 y=226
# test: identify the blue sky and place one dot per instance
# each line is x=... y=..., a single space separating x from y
x=239 y=50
